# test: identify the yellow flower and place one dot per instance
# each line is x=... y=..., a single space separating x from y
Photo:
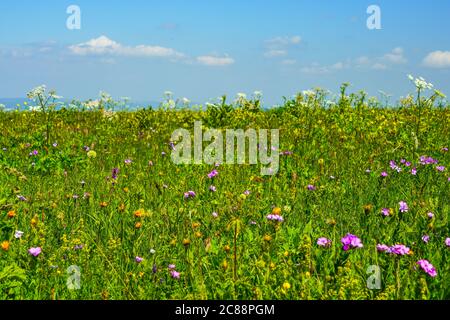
x=91 y=154
x=103 y=204
x=276 y=211
x=138 y=225
x=186 y=242
x=225 y=264
x=267 y=237
x=196 y=225
x=226 y=248
x=286 y=285
x=126 y=190
x=198 y=234
x=5 y=245
x=139 y=213
x=286 y=253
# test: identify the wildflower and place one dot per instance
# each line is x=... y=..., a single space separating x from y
x=189 y=194
x=447 y=242
x=440 y=168
x=311 y=187
x=103 y=204
x=276 y=211
x=213 y=173
x=413 y=171
x=323 y=242
x=11 y=214
x=5 y=245
x=286 y=153
x=253 y=223
x=286 y=286
x=384 y=174
x=386 y=212
x=78 y=247
x=138 y=225
x=35 y=251
x=351 y=241
x=215 y=215
x=186 y=242
x=21 y=198
x=86 y=148
x=399 y=249
x=115 y=173
x=91 y=154
x=383 y=248
x=18 y=234
x=152 y=251
x=128 y=161
x=247 y=192
x=403 y=206
x=154 y=269
x=427 y=267
x=163 y=153
x=138 y=259
x=267 y=237
x=212 y=188
x=275 y=217
x=445 y=149
x=171 y=266
x=408 y=164
x=174 y=274
x=368 y=171
x=150 y=163
x=430 y=215
x=426 y=238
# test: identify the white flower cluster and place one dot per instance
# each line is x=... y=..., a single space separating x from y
x=36 y=92
x=421 y=83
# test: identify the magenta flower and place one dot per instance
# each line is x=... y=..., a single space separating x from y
x=171 y=266
x=447 y=242
x=323 y=242
x=138 y=259
x=440 y=168
x=174 y=274
x=403 y=206
x=128 y=161
x=247 y=192
x=414 y=171
x=385 y=212
x=383 y=248
x=351 y=241
x=408 y=164
x=275 y=217
x=35 y=251
x=430 y=215
x=311 y=187
x=212 y=188
x=427 y=267
x=399 y=249
x=213 y=173
x=445 y=149
x=189 y=194
x=426 y=238
x=384 y=174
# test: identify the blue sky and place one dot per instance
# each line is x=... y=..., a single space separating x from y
x=202 y=49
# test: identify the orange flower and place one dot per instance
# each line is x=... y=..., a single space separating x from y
x=103 y=204
x=186 y=242
x=276 y=211
x=5 y=245
x=11 y=214
x=139 y=213
x=138 y=225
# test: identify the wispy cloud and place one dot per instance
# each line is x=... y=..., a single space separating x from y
x=105 y=46
x=279 y=46
x=215 y=61
x=437 y=59
x=384 y=62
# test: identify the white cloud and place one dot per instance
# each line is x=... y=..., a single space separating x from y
x=316 y=68
x=437 y=59
x=278 y=47
x=289 y=61
x=105 y=46
x=275 y=53
x=395 y=56
x=379 y=66
x=215 y=61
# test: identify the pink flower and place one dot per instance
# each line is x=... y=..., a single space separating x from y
x=447 y=242
x=212 y=188
x=384 y=174
x=399 y=249
x=323 y=242
x=413 y=171
x=427 y=267
x=138 y=259
x=403 y=206
x=351 y=241
x=275 y=217
x=426 y=238
x=213 y=173
x=311 y=187
x=174 y=274
x=35 y=251
x=430 y=215
x=385 y=211
x=382 y=248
